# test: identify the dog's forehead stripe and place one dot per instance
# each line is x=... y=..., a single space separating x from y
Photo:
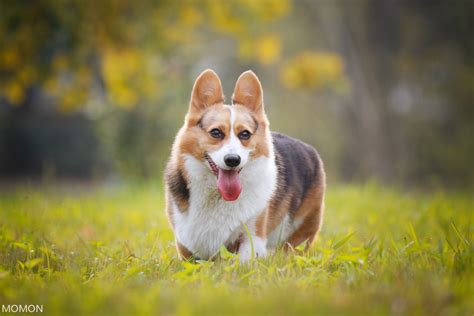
x=228 y=114
x=232 y=118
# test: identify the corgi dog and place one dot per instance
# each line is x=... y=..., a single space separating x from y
x=231 y=182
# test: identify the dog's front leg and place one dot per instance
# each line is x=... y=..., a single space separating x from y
x=254 y=239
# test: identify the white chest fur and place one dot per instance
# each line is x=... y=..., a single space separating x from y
x=210 y=221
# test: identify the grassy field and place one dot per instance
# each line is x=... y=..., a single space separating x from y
x=79 y=250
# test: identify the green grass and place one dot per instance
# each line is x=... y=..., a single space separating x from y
x=79 y=250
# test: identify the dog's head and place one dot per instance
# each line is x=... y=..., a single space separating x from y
x=226 y=137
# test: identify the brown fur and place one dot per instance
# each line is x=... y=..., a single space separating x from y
x=312 y=212
x=183 y=252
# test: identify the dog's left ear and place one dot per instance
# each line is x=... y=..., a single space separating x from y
x=248 y=92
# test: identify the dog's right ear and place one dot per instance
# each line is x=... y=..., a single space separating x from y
x=207 y=91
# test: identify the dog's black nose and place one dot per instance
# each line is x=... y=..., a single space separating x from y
x=232 y=160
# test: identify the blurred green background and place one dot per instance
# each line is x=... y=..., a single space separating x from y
x=97 y=89
x=92 y=94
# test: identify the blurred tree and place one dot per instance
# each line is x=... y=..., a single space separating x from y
x=91 y=56
x=74 y=48
x=383 y=88
x=409 y=117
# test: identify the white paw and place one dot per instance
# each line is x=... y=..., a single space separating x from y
x=259 y=249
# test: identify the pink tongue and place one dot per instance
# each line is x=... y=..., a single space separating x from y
x=228 y=184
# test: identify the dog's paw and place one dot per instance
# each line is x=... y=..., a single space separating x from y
x=259 y=249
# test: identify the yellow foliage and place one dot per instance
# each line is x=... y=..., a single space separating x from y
x=268 y=49
x=72 y=99
x=128 y=76
x=14 y=92
x=127 y=39
x=51 y=85
x=268 y=9
x=223 y=17
x=265 y=49
x=190 y=16
x=246 y=48
x=9 y=57
x=117 y=68
x=27 y=75
x=313 y=70
x=83 y=76
x=70 y=87
x=176 y=34
x=60 y=62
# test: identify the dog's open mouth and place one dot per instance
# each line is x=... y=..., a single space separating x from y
x=228 y=181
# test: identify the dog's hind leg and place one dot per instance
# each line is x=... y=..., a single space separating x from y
x=310 y=214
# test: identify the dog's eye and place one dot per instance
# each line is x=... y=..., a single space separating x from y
x=244 y=135
x=216 y=133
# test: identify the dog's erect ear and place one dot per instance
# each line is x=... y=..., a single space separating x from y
x=207 y=91
x=248 y=92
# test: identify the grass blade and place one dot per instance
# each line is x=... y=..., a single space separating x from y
x=341 y=242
